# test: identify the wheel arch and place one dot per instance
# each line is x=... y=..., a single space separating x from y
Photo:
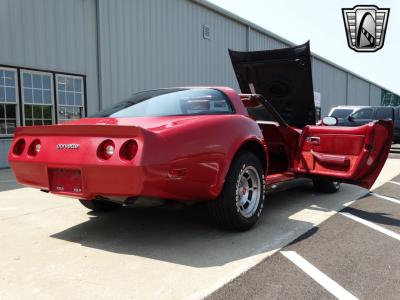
x=253 y=145
x=258 y=148
x=224 y=210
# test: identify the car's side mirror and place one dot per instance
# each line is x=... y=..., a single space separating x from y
x=329 y=121
x=350 y=118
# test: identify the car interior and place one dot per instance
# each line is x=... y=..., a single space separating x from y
x=279 y=137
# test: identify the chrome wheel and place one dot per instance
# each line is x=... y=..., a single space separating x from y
x=248 y=191
x=241 y=201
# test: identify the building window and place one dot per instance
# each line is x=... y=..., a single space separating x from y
x=37 y=98
x=70 y=95
x=8 y=101
x=32 y=97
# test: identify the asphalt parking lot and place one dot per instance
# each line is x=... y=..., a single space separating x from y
x=52 y=247
x=353 y=255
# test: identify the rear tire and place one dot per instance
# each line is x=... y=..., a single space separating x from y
x=241 y=201
x=326 y=186
x=100 y=205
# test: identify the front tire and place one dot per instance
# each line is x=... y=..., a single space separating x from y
x=241 y=201
x=99 y=205
x=326 y=186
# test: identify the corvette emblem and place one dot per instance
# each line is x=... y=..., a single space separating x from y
x=365 y=27
x=67 y=146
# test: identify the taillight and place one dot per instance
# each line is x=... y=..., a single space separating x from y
x=35 y=147
x=19 y=147
x=128 y=150
x=106 y=149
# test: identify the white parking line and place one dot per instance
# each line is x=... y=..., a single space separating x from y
x=330 y=285
x=372 y=225
x=394 y=200
x=394 y=182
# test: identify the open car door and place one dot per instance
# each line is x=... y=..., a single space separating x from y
x=354 y=155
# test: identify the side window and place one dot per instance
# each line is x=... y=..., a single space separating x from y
x=8 y=101
x=384 y=113
x=37 y=98
x=69 y=97
x=341 y=113
x=366 y=113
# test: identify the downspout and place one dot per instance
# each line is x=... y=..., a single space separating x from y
x=347 y=88
x=248 y=32
x=369 y=96
x=98 y=58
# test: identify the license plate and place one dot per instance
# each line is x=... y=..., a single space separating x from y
x=65 y=181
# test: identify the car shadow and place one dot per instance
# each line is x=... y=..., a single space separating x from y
x=186 y=236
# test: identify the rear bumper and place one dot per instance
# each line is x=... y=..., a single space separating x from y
x=113 y=181
x=107 y=181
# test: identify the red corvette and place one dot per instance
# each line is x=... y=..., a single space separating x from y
x=204 y=144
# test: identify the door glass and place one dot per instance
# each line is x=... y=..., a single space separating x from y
x=341 y=113
x=363 y=114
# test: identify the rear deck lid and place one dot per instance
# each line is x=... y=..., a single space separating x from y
x=283 y=77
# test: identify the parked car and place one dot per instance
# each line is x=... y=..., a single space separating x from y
x=360 y=115
x=208 y=144
x=343 y=111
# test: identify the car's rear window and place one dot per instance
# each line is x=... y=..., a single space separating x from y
x=170 y=102
x=341 y=113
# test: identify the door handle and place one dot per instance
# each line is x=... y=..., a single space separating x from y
x=313 y=140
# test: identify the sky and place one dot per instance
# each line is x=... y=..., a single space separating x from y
x=321 y=22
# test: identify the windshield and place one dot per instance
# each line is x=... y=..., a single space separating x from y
x=170 y=102
x=341 y=113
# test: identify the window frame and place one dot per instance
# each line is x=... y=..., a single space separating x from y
x=17 y=98
x=83 y=92
x=18 y=92
x=22 y=72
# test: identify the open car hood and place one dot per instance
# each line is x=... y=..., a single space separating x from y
x=283 y=77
